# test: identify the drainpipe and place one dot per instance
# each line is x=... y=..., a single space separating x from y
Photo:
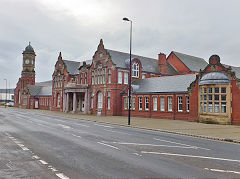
x=150 y=106
x=174 y=106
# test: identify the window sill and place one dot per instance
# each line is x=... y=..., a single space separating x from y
x=214 y=114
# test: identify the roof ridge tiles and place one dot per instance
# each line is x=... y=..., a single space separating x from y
x=71 y=61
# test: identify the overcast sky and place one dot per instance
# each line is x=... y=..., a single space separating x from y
x=74 y=27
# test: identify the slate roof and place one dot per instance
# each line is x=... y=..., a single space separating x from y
x=40 y=90
x=72 y=66
x=88 y=62
x=171 y=70
x=44 y=83
x=148 y=64
x=234 y=69
x=193 y=63
x=166 y=84
x=29 y=48
x=214 y=78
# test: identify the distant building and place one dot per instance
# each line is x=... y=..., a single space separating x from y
x=6 y=95
x=178 y=86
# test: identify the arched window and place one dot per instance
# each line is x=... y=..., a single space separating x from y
x=58 y=100
x=135 y=70
x=100 y=100
x=19 y=97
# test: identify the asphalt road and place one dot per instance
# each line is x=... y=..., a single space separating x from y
x=35 y=145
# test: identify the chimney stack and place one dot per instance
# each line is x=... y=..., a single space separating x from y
x=162 y=63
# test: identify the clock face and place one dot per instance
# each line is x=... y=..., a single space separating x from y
x=27 y=61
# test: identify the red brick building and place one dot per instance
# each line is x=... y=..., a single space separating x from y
x=210 y=96
x=215 y=94
x=179 y=86
x=27 y=93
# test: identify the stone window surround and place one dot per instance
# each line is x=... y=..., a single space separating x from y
x=202 y=101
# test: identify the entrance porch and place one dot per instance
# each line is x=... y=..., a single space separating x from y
x=76 y=100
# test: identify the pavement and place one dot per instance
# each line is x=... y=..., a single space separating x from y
x=227 y=133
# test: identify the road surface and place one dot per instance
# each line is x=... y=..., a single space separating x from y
x=40 y=145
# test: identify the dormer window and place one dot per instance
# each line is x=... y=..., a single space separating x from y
x=135 y=70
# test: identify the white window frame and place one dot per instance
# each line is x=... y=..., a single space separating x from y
x=125 y=78
x=170 y=104
x=140 y=102
x=162 y=104
x=109 y=100
x=135 y=70
x=155 y=103
x=180 y=103
x=58 y=100
x=120 y=77
x=93 y=80
x=100 y=100
x=187 y=103
x=147 y=103
x=104 y=76
x=125 y=103
x=85 y=77
x=133 y=103
x=109 y=76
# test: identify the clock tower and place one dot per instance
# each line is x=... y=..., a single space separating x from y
x=28 y=72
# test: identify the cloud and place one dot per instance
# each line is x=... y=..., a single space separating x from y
x=199 y=28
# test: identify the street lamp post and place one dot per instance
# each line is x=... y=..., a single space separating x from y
x=6 y=92
x=130 y=72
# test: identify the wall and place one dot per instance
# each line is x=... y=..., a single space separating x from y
x=174 y=114
x=178 y=64
x=235 y=103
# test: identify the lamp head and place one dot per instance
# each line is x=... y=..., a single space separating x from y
x=126 y=19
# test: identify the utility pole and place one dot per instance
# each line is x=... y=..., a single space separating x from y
x=6 y=92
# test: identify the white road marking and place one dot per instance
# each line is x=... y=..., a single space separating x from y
x=43 y=162
x=103 y=126
x=76 y=136
x=64 y=126
x=81 y=125
x=35 y=157
x=223 y=171
x=117 y=132
x=180 y=143
x=153 y=145
x=108 y=145
x=191 y=156
x=20 y=145
x=137 y=154
x=62 y=176
x=17 y=142
x=52 y=168
x=24 y=148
